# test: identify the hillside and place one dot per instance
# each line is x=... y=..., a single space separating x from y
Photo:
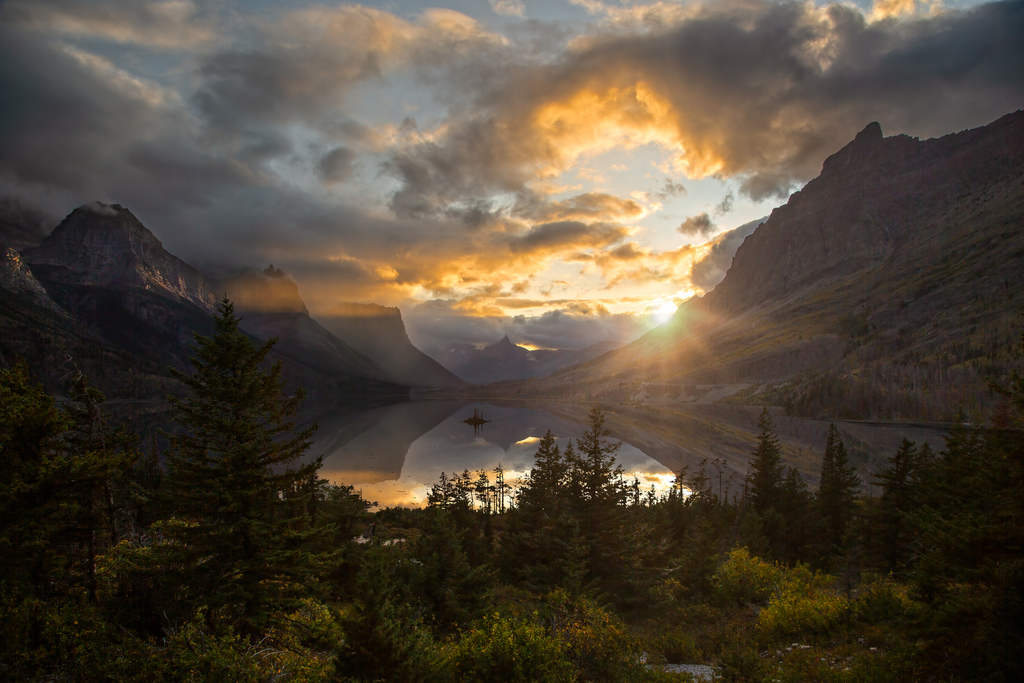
x=378 y=333
x=888 y=287
x=100 y=293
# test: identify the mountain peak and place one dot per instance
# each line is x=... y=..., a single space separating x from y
x=862 y=149
x=270 y=290
x=871 y=133
x=105 y=245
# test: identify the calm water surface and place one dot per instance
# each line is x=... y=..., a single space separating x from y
x=395 y=453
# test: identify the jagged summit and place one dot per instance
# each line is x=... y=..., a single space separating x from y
x=270 y=290
x=105 y=245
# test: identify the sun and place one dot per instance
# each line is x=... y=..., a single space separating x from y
x=663 y=311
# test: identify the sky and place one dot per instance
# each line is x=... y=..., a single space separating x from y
x=566 y=171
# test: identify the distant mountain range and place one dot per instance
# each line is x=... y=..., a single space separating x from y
x=890 y=286
x=100 y=293
x=504 y=361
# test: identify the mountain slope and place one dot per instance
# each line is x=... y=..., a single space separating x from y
x=102 y=286
x=378 y=333
x=270 y=306
x=889 y=286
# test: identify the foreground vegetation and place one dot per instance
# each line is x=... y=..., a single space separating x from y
x=225 y=558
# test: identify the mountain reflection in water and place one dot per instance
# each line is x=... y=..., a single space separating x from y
x=393 y=454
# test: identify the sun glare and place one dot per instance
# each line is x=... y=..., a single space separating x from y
x=662 y=312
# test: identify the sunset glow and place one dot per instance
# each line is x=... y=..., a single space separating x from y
x=561 y=171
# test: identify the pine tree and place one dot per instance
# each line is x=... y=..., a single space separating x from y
x=234 y=482
x=611 y=548
x=837 y=490
x=900 y=492
x=766 y=471
x=794 y=509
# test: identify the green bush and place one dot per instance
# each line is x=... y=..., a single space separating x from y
x=804 y=603
x=595 y=640
x=509 y=649
x=743 y=578
x=879 y=600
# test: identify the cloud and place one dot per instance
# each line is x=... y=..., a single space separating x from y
x=239 y=150
x=697 y=226
x=725 y=206
x=301 y=66
x=587 y=206
x=565 y=235
x=508 y=8
x=164 y=25
x=336 y=165
x=758 y=91
x=670 y=189
x=709 y=271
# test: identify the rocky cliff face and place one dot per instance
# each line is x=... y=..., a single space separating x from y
x=105 y=245
x=379 y=333
x=874 y=196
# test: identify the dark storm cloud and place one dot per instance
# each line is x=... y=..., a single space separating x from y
x=336 y=165
x=710 y=270
x=761 y=91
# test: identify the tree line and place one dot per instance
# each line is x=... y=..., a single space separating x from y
x=224 y=556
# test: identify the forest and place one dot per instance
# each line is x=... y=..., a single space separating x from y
x=224 y=556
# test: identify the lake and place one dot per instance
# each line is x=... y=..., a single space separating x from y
x=393 y=454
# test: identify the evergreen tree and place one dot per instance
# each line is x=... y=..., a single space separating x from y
x=538 y=544
x=837 y=490
x=234 y=482
x=900 y=494
x=766 y=471
x=611 y=548
x=32 y=474
x=794 y=509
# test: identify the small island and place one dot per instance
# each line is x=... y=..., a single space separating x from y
x=477 y=420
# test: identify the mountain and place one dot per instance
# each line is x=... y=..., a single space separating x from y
x=378 y=333
x=270 y=307
x=107 y=270
x=504 y=361
x=888 y=287
x=105 y=245
x=101 y=293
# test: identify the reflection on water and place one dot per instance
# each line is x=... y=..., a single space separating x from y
x=395 y=453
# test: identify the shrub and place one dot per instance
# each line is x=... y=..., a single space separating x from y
x=510 y=649
x=743 y=578
x=880 y=600
x=595 y=640
x=805 y=602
